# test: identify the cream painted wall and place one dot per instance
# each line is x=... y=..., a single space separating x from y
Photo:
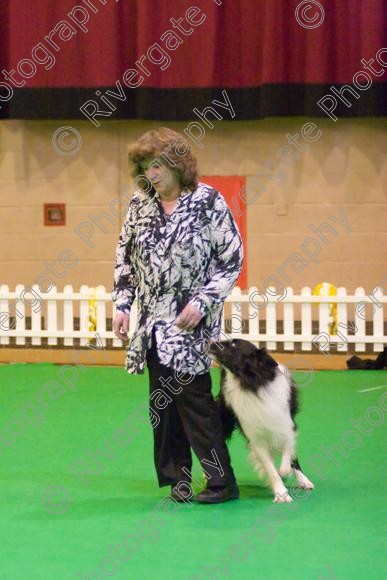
x=345 y=167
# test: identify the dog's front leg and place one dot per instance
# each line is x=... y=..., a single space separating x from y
x=288 y=453
x=285 y=468
x=302 y=480
x=281 y=494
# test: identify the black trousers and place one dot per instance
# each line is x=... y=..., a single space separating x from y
x=191 y=419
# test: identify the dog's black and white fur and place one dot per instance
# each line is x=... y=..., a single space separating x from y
x=264 y=403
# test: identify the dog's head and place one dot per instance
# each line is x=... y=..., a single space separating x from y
x=253 y=366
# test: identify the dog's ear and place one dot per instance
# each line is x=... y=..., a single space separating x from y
x=260 y=360
x=254 y=361
x=259 y=369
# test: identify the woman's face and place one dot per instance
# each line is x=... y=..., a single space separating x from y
x=163 y=178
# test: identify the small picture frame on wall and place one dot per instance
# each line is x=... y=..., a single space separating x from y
x=54 y=214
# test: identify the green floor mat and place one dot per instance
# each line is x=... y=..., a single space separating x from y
x=79 y=497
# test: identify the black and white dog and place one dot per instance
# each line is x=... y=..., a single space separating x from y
x=263 y=402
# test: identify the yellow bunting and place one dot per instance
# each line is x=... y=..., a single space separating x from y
x=92 y=311
x=327 y=289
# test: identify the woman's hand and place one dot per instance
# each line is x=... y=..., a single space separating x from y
x=121 y=325
x=188 y=318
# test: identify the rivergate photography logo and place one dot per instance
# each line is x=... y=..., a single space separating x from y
x=41 y=55
x=157 y=55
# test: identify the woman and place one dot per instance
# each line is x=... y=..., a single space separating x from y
x=181 y=251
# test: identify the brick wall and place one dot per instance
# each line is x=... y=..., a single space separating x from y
x=346 y=166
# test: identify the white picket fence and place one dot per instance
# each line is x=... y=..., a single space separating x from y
x=49 y=319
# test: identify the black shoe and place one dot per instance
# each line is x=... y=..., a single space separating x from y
x=181 y=494
x=218 y=494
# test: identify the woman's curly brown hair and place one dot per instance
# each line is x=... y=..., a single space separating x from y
x=173 y=149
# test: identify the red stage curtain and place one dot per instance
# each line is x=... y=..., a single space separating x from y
x=63 y=52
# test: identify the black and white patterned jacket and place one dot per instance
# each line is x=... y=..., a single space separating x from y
x=193 y=256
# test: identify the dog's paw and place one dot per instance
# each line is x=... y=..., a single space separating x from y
x=282 y=497
x=305 y=483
